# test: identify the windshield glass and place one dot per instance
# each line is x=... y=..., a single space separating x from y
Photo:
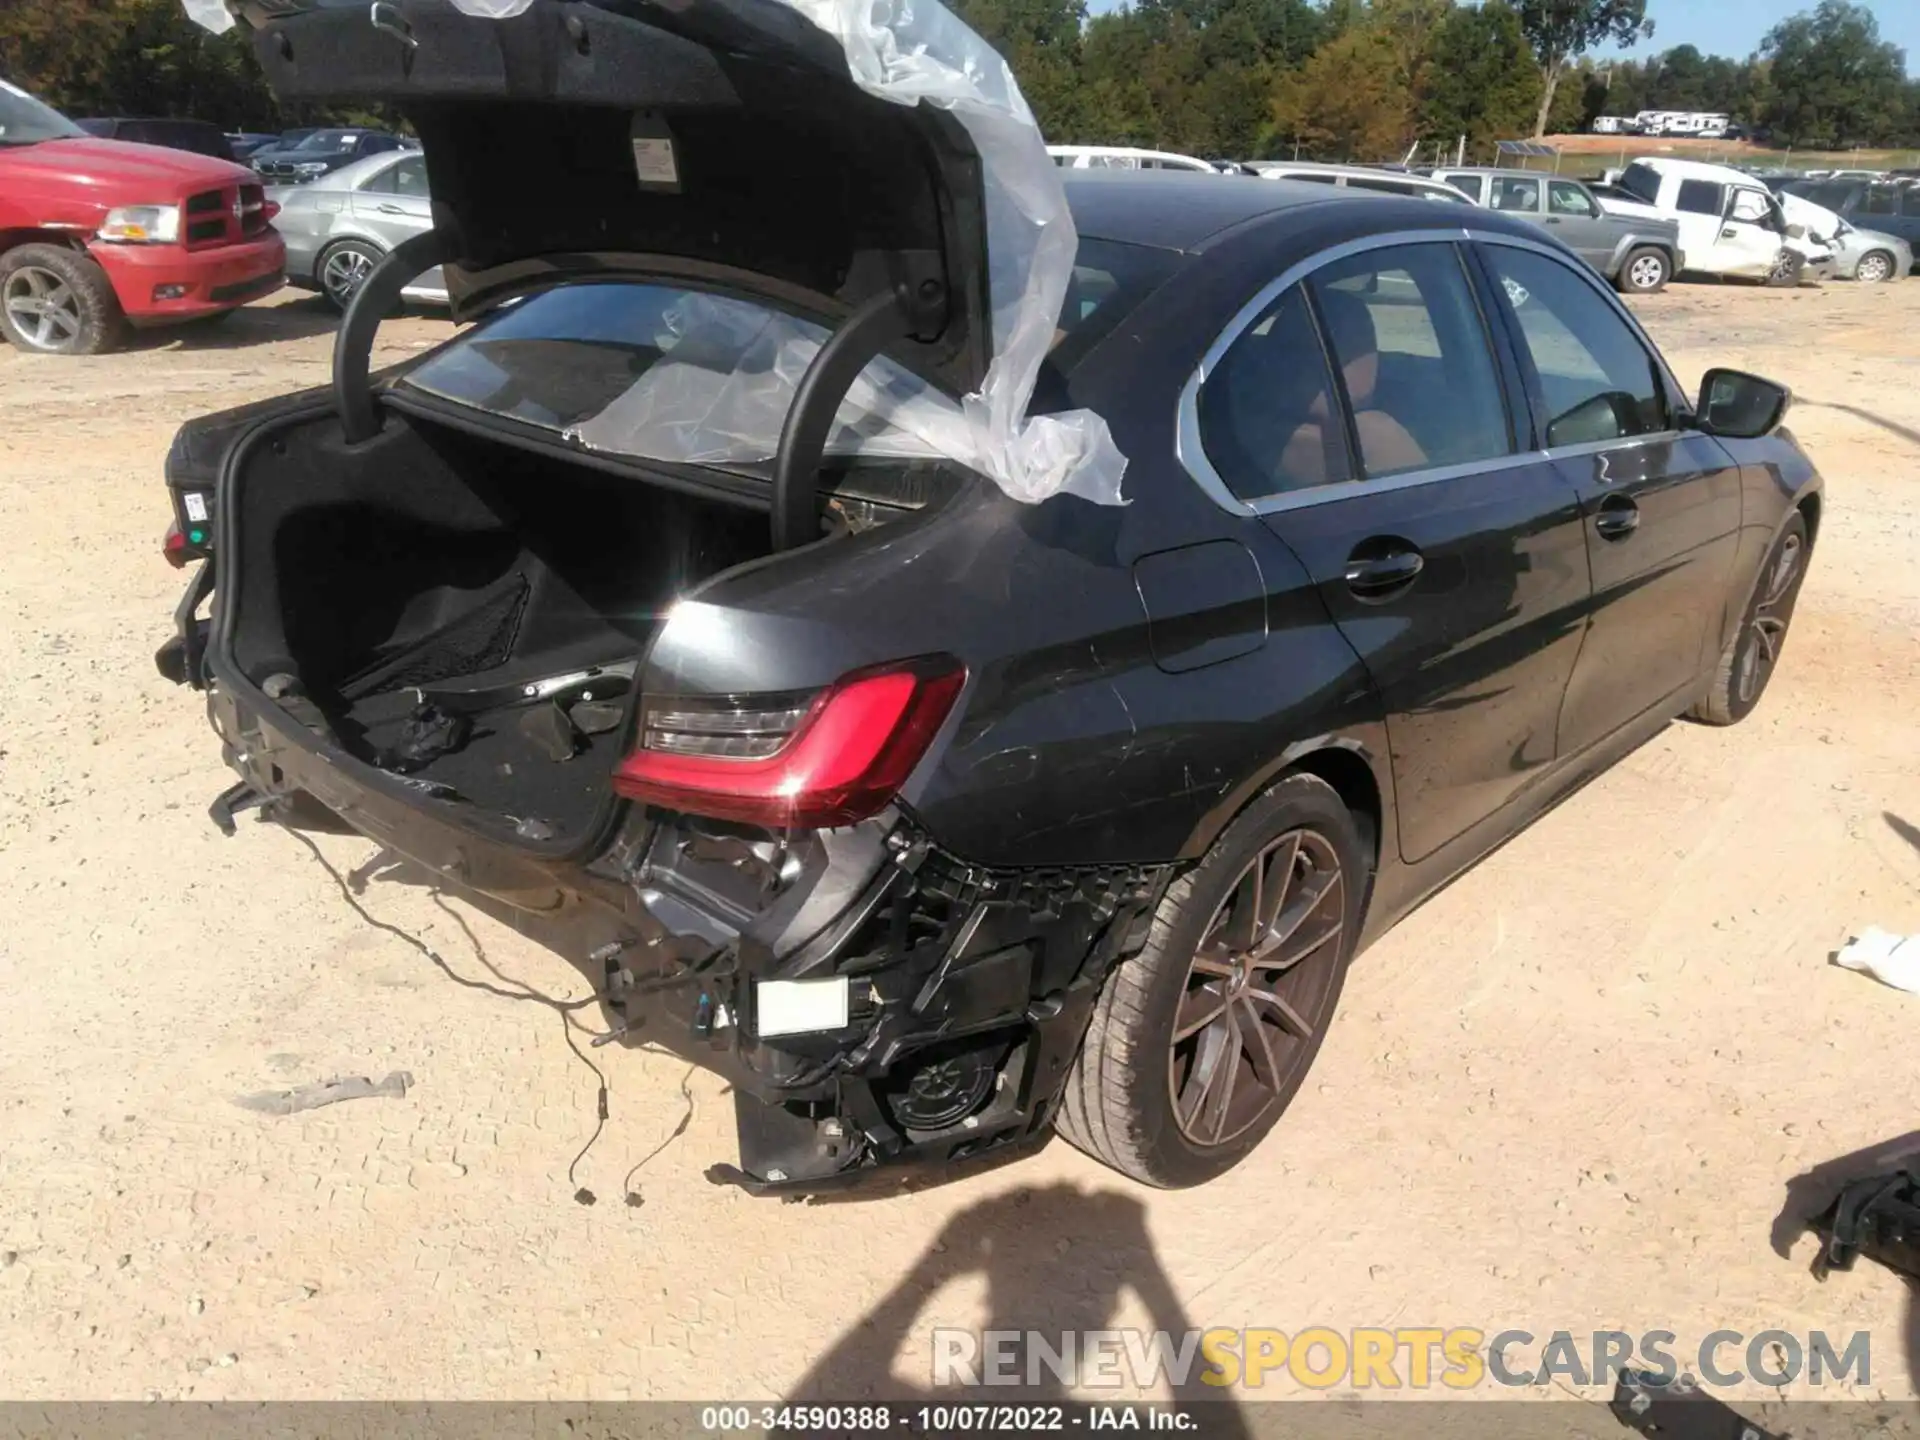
x=329 y=141
x=25 y=121
x=664 y=373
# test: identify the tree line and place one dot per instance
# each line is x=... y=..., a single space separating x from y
x=1242 y=79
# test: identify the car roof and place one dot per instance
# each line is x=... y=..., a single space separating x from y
x=1175 y=210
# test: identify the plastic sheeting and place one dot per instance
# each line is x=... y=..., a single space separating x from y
x=727 y=376
x=913 y=52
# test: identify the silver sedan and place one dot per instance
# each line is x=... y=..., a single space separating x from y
x=338 y=227
x=1870 y=255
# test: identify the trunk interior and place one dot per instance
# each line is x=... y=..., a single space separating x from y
x=461 y=610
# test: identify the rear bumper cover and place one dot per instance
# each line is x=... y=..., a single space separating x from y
x=969 y=986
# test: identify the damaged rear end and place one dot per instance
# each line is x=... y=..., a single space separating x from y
x=598 y=610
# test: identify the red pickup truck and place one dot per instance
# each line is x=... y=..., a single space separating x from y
x=97 y=234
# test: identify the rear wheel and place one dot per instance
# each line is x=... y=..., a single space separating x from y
x=1875 y=267
x=56 y=301
x=1644 y=272
x=1748 y=662
x=1200 y=1042
x=343 y=268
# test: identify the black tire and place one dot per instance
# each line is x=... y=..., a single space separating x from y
x=73 y=308
x=341 y=268
x=1747 y=664
x=1645 y=271
x=1875 y=268
x=1119 y=1105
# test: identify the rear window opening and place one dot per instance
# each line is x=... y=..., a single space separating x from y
x=659 y=372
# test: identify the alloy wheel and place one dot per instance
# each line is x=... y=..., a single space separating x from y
x=345 y=271
x=1646 y=273
x=1873 y=269
x=1783 y=267
x=44 y=309
x=1767 y=628
x=1261 y=975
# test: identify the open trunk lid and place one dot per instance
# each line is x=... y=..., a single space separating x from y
x=875 y=170
x=721 y=140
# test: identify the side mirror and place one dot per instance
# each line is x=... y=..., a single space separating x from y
x=1740 y=406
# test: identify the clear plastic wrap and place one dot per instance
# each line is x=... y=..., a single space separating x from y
x=210 y=14
x=913 y=52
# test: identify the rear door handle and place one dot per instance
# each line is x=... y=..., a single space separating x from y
x=1375 y=575
x=1619 y=517
x=390 y=210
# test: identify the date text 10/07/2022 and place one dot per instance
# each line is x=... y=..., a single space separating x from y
x=944 y=1419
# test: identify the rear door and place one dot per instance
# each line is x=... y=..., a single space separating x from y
x=394 y=205
x=1452 y=562
x=1661 y=505
x=1516 y=194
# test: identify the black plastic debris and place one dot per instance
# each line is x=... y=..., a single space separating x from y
x=1877 y=1216
x=1677 y=1409
x=551 y=732
x=596 y=717
x=429 y=733
x=326 y=1092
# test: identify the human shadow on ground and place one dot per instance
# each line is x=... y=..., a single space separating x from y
x=1056 y=1261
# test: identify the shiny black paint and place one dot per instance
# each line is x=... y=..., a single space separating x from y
x=1137 y=674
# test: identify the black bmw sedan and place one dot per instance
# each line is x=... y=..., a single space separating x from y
x=937 y=820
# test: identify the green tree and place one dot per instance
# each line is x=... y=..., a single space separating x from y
x=1348 y=102
x=1562 y=30
x=1482 y=83
x=1041 y=42
x=1834 y=80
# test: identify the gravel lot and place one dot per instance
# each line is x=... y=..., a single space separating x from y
x=1566 y=1094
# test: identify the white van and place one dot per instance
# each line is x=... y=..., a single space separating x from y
x=1123 y=157
x=1730 y=223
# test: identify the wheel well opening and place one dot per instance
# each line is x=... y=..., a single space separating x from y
x=1810 y=512
x=1352 y=780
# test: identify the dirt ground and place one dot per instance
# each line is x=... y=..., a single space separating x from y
x=1567 y=1094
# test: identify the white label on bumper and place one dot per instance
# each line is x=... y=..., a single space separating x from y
x=795 y=1007
x=196 y=506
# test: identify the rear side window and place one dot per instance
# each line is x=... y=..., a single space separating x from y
x=1515 y=193
x=1879 y=200
x=1701 y=197
x=1269 y=419
x=1412 y=358
x=408 y=177
x=1910 y=201
x=1597 y=381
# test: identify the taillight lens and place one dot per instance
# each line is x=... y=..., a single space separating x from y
x=175 y=547
x=785 y=763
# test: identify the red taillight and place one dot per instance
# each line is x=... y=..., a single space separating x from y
x=175 y=547
x=850 y=752
x=269 y=209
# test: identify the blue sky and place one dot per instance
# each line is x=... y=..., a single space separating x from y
x=1717 y=27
